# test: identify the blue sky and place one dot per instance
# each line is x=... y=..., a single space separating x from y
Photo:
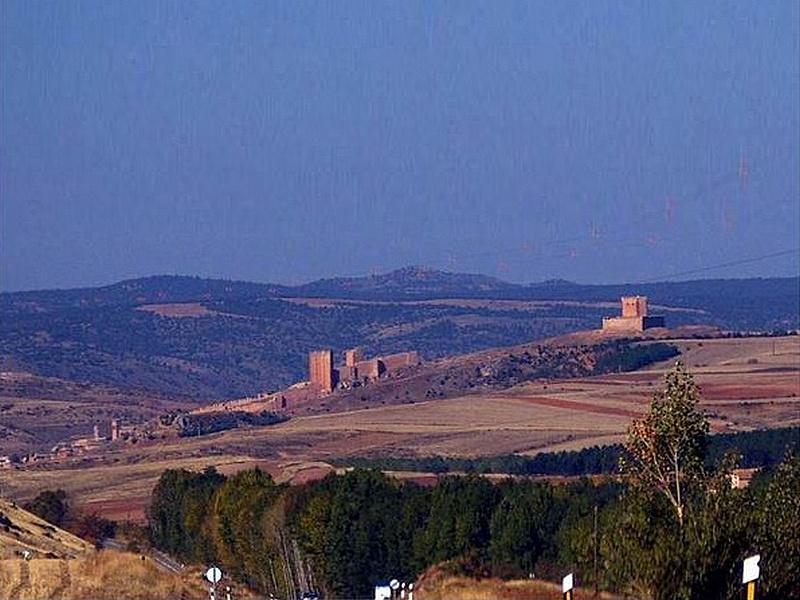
x=601 y=142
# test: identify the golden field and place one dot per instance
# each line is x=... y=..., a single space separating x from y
x=746 y=384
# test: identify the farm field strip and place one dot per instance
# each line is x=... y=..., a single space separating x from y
x=493 y=412
x=531 y=418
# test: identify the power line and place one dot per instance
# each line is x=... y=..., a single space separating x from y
x=733 y=263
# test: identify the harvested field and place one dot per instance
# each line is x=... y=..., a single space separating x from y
x=750 y=383
x=178 y=310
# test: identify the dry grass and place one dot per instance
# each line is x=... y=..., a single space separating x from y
x=178 y=310
x=123 y=486
x=464 y=588
x=27 y=532
x=98 y=575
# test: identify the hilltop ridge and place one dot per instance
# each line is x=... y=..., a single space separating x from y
x=203 y=339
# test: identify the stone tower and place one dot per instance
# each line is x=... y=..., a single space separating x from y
x=320 y=369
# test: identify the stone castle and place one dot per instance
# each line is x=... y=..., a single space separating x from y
x=635 y=317
x=356 y=370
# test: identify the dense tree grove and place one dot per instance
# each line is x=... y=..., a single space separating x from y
x=179 y=512
x=669 y=527
x=346 y=532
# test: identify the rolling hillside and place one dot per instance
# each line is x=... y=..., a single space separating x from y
x=746 y=384
x=200 y=339
x=21 y=531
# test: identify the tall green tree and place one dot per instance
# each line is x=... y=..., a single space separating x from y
x=778 y=539
x=460 y=517
x=240 y=527
x=179 y=510
x=666 y=448
x=350 y=527
x=692 y=549
x=640 y=550
x=523 y=525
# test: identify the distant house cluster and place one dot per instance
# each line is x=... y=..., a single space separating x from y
x=73 y=447
x=635 y=317
x=113 y=432
x=356 y=370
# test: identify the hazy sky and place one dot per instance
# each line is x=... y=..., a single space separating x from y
x=601 y=142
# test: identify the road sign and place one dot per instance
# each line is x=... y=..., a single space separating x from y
x=750 y=568
x=566 y=583
x=394 y=584
x=214 y=575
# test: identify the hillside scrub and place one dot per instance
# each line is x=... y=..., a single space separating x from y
x=245 y=338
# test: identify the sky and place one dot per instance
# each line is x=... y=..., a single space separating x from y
x=271 y=141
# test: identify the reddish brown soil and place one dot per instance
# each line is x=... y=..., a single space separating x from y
x=190 y=309
x=581 y=406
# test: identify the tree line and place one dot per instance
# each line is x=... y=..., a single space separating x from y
x=763 y=449
x=347 y=532
x=668 y=526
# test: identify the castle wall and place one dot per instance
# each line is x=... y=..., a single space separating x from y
x=623 y=324
x=370 y=369
x=353 y=356
x=400 y=360
x=324 y=377
x=649 y=322
x=634 y=317
x=632 y=324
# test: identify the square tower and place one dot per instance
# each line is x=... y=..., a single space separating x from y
x=353 y=356
x=320 y=369
x=634 y=306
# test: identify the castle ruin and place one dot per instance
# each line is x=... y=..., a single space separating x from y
x=356 y=370
x=635 y=317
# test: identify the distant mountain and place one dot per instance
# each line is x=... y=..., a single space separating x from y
x=134 y=292
x=202 y=339
x=407 y=283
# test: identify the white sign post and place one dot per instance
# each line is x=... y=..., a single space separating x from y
x=214 y=575
x=566 y=586
x=750 y=574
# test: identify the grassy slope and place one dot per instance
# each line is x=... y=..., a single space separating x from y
x=22 y=531
x=97 y=575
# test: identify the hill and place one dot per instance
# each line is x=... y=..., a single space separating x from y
x=746 y=384
x=199 y=339
x=21 y=531
x=100 y=574
x=39 y=560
